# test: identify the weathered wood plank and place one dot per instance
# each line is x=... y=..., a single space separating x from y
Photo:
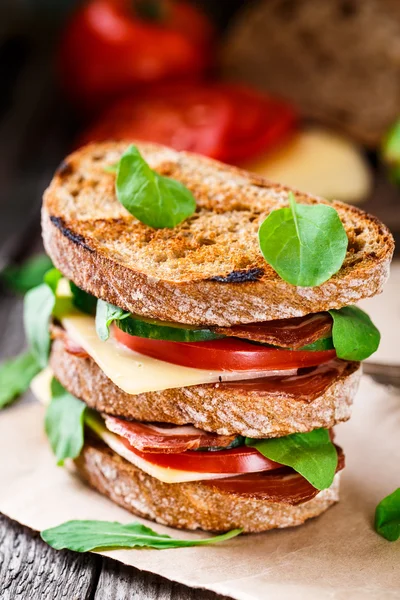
x=31 y=569
x=117 y=582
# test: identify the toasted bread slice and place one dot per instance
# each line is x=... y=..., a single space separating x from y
x=190 y=505
x=209 y=269
x=211 y=407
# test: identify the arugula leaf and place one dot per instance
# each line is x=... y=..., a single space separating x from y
x=38 y=307
x=16 y=375
x=82 y=536
x=387 y=517
x=305 y=243
x=311 y=454
x=82 y=300
x=22 y=278
x=155 y=200
x=355 y=337
x=105 y=314
x=64 y=423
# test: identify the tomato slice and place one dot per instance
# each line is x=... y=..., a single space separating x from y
x=188 y=117
x=236 y=460
x=227 y=354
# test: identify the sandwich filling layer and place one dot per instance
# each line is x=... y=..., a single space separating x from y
x=175 y=455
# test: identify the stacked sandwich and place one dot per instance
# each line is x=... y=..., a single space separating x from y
x=204 y=354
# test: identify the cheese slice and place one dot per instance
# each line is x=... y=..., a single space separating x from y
x=40 y=386
x=136 y=373
x=319 y=162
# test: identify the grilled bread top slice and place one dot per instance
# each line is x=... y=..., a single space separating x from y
x=207 y=270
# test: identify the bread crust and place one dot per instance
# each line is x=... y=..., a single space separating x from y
x=209 y=407
x=190 y=505
x=208 y=270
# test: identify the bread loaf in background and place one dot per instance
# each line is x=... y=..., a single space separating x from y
x=338 y=61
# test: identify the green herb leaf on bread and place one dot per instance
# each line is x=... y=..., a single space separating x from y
x=305 y=243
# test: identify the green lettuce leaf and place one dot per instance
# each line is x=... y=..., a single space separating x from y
x=311 y=454
x=38 y=307
x=82 y=536
x=106 y=313
x=155 y=200
x=64 y=423
x=22 y=278
x=387 y=517
x=305 y=243
x=16 y=375
x=354 y=335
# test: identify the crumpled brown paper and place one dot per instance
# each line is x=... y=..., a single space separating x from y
x=337 y=556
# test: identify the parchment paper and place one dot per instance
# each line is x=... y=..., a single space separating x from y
x=337 y=556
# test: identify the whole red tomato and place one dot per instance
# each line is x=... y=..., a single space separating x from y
x=110 y=46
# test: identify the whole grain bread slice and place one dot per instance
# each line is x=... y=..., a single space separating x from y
x=209 y=269
x=210 y=407
x=190 y=505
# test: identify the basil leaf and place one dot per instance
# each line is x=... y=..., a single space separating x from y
x=82 y=300
x=22 y=278
x=38 y=307
x=15 y=375
x=64 y=423
x=105 y=314
x=387 y=516
x=155 y=200
x=354 y=335
x=305 y=244
x=82 y=536
x=311 y=454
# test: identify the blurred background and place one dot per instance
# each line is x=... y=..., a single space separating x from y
x=302 y=91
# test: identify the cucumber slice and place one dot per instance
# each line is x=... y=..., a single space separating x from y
x=172 y=332
x=319 y=345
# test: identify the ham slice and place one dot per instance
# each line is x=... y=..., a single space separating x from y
x=285 y=333
x=304 y=387
x=165 y=439
x=283 y=485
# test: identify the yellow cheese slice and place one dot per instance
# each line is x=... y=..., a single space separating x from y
x=136 y=373
x=40 y=386
x=319 y=162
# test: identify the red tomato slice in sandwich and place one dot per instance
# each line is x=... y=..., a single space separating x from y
x=236 y=460
x=226 y=355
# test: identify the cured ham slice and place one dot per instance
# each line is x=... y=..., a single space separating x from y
x=303 y=386
x=286 y=333
x=282 y=485
x=167 y=439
